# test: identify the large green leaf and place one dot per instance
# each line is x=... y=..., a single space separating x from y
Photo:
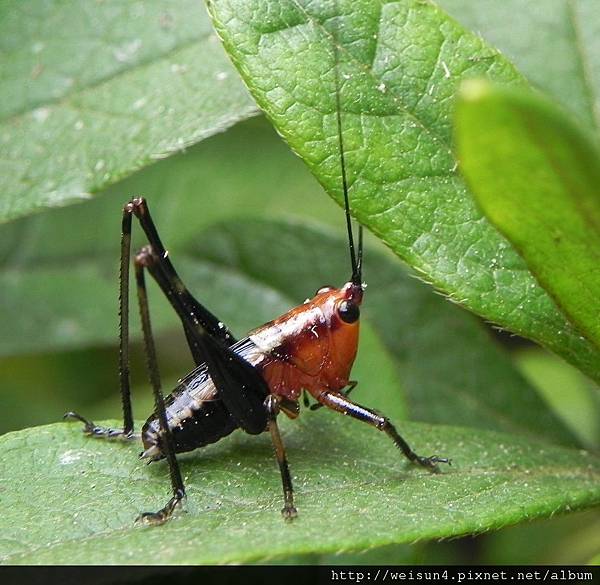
x=536 y=177
x=92 y=94
x=400 y=65
x=71 y=499
x=555 y=44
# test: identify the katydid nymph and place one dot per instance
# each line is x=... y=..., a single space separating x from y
x=243 y=384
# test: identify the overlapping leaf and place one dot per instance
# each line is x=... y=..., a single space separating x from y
x=536 y=177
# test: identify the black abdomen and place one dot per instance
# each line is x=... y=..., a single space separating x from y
x=206 y=425
x=195 y=416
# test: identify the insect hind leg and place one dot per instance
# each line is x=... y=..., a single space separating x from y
x=192 y=313
x=90 y=427
x=165 y=436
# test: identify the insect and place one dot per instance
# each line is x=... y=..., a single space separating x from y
x=242 y=383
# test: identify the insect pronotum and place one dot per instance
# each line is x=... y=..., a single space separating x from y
x=242 y=383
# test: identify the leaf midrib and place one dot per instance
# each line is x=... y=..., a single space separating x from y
x=397 y=99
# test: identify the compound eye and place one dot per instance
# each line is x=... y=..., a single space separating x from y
x=324 y=289
x=348 y=312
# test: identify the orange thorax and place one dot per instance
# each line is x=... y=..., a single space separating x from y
x=310 y=347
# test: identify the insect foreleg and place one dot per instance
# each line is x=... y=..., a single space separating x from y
x=351 y=385
x=339 y=402
x=289 y=512
x=166 y=438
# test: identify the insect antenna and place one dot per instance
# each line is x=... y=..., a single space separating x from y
x=360 y=253
x=355 y=259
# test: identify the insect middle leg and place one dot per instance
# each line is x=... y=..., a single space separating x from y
x=338 y=401
x=351 y=385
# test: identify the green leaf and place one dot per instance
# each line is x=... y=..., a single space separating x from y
x=536 y=177
x=92 y=95
x=554 y=43
x=400 y=65
x=71 y=499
